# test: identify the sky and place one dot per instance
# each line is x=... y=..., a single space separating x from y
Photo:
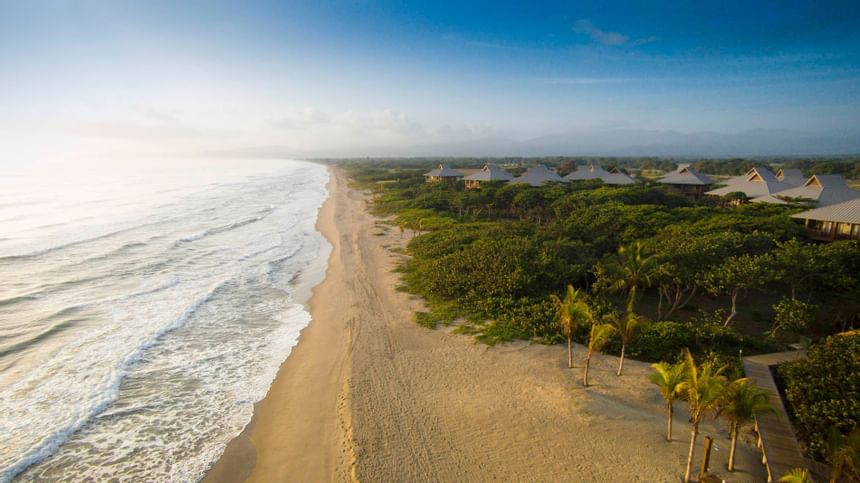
x=135 y=79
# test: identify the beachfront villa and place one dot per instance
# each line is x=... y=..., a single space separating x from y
x=594 y=171
x=820 y=190
x=687 y=180
x=537 y=176
x=443 y=173
x=490 y=172
x=760 y=182
x=840 y=221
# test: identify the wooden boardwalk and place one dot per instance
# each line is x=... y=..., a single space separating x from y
x=780 y=449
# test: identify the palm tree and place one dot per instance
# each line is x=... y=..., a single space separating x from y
x=572 y=312
x=742 y=401
x=795 y=475
x=668 y=378
x=702 y=388
x=633 y=269
x=626 y=328
x=843 y=453
x=597 y=340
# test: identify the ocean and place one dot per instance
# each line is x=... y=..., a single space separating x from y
x=145 y=307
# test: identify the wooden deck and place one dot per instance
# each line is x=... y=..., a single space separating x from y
x=780 y=449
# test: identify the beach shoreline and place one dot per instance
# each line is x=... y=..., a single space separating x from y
x=369 y=395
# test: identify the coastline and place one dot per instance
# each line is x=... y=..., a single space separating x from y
x=369 y=395
x=309 y=384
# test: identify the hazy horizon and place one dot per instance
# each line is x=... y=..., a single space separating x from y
x=133 y=79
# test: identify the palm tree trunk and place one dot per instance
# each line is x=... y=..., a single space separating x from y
x=689 y=470
x=569 y=353
x=669 y=432
x=621 y=361
x=734 y=443
x=585 y=374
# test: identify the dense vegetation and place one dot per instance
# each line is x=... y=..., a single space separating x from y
x=816 y=403
x=716 y=279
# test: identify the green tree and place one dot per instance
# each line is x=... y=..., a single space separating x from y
x=736 y=274
x=796 y=475
x=632 y=269
x=741 y=402
x=573 y=311
x=669 y=379
x=843 y=454
x=702 y=389
x=598 y=337
x=792 y=315
x=626 y=326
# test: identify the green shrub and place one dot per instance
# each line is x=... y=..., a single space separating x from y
x=662 y=341
x=823 y=390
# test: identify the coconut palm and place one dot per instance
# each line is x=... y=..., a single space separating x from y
x=843 y=454
x=598 y=337
x=702 y=388
x=633 y=269
x=626 y=327
x=742 y=401
x=669 y=378
x=795 y=475
x=572 y=312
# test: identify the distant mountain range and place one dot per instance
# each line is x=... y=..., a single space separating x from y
x=622 y=142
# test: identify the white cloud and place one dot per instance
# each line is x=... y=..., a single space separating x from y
x=610 y=39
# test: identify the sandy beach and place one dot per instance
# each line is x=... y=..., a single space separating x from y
x=369 y=395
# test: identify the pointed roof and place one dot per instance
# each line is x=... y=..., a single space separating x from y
x=823 y=189
x=737 y=179
x=686 y=175
x=537 y=175
x=793 y=177
x=761 y=182
x=490 y=172
x=845 y=212
x=616 y=177
x=592 y=171
x=444 y=171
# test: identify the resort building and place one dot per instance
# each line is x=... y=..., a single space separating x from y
x=443 y=173
x=687 y=180
x=840 y=221
x=761 y=182
x=820 y=190
x=794 y=177
x=490 y=172
x=737 y=179
x=594 y=171
x=537 y=176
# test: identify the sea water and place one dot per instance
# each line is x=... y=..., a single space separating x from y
x=145 y=307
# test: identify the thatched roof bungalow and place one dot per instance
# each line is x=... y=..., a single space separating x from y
x=687 y=180
x=537 y=176
x=490 y=172
x=840 y=221
x=820 y=189
x=760 y=183
x=443 y=173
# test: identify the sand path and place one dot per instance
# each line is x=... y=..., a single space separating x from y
x=369 y=395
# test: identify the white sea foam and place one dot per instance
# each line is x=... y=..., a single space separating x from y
x=170 y=346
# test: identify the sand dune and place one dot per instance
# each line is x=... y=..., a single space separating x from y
x=369 y=395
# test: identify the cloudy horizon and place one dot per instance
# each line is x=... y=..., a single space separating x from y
x=136 y=79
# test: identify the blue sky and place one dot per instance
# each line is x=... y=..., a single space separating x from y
x=314 y=78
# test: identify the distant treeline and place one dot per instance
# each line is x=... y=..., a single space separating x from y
x=848 y=167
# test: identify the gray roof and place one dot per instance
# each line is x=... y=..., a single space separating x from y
x=490 y=172
x=845 y=212
x=760 y=183
x=537 y=175
x=594 y=171
x=823 y=189
x=793 y=177
x=686 y=175
x=737 y=179
x=444 y=171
